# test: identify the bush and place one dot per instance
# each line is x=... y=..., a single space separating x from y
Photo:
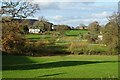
x=88 y=49
x=41 y=48
x=13 y=43
x=32 y=48
x=78 y=48
x=97 y=49
x=92 y=38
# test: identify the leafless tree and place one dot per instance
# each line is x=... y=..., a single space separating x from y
x=18 y=8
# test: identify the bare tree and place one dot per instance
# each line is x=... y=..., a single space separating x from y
x=42 y=18
x=114 y=18
x=18 y=8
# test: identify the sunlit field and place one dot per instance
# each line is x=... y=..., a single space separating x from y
x=71 y=66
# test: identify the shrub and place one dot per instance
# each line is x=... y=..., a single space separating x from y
x=92 y=38
x=78 y=48
x=88 y=49
x=34 y=47
x=41 y=48
x=97 y=49
x=13 y=43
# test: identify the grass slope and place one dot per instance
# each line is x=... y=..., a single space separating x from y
x=71 y=66
x=75 y=32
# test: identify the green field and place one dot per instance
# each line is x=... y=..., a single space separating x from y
x=67 y=33
x=75 y=32
x=37 y=36
x=70 y=66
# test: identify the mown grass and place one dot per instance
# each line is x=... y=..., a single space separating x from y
x=75 y=32
x=37 y=36
x=70 y=66
x=32 y=36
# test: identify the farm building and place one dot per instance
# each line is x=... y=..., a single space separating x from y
x=34 y=30
x=81 y=26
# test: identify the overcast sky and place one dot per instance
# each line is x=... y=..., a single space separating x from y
x=74 y=12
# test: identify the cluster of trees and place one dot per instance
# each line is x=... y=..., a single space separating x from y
x=94 y=27
x=82 y=26
x=42 y=24
x=11 y=35
x=12 y=38
x=24 y=25
x=94 y=31
x=61 y=27
x=111 y=35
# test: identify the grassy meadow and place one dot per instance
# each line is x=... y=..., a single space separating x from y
x=69 y=66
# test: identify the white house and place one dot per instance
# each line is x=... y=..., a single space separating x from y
x=100 y=37
x=34 y=30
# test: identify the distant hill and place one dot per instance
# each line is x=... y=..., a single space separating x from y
x=32 y=21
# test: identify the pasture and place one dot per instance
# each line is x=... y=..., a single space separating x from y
x=69 y=40
x=75 y=32
x=69 y=66
x=87 y=65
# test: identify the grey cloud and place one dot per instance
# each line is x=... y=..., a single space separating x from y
x=50 y=5
x=87 y=3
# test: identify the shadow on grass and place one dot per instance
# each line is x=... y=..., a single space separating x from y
x=51 y=75
x=51 y=65
x=15 y=60
x=50 y=50
x=34 y=38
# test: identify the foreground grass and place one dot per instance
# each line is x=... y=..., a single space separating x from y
x=71 y=66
